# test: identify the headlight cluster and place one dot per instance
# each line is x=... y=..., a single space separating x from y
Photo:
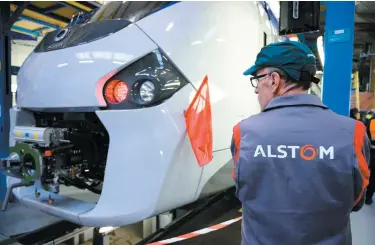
x=146 y=82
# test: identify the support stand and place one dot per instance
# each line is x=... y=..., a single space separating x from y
x=100 y=238
x=9 y=192
x=163 y=220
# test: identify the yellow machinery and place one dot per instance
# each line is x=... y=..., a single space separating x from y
x=354 y=98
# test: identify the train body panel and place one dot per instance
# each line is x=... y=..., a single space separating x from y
x=117 y=149
x=219 y=40
x=70 y=77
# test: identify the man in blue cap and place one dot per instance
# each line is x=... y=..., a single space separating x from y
x=300 y=169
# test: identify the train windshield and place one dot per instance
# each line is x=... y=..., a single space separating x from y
x=129 y=10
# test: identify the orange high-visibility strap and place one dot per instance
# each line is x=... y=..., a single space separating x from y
x=199 y=124
x=359 y=134
x=372 y=129
x=237 y=140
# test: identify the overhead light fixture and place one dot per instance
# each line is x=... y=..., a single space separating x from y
x=320 y=47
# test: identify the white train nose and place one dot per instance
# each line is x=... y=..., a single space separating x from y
x=75 y=71
x=146 y=164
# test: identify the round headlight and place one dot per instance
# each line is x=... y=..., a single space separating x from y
x=147 y=91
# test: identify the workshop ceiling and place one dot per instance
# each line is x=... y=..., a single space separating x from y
x=40 y=17
x=364 y=34
x=364 y=28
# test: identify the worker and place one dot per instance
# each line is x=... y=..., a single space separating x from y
x=294 y=168
x=367 y=117
x=371 y=134
x=354 y=113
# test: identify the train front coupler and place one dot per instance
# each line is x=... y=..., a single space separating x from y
x=25 y=162
x=22 y=163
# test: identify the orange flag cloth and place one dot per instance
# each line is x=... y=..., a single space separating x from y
x=199 y=124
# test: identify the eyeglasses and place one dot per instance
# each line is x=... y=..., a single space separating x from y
x=255 y=80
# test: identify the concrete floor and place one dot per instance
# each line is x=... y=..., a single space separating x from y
x=363 y=225
x=363 y=230
x=128 y=235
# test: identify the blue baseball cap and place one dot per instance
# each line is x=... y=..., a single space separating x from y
x=295 y=58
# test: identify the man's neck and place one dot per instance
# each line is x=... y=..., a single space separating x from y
x=295 y=92
x=292 y=89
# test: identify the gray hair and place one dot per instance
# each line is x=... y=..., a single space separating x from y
x=305 y=85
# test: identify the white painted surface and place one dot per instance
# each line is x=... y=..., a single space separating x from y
x=20 y=51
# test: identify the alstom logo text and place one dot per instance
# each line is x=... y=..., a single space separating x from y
x=306 y=152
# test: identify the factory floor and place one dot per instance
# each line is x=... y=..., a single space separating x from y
x=19 y=219
x=129 y=235
x=363 y=225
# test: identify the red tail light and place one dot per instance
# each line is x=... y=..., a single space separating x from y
x=116 y=91
x=100 y=85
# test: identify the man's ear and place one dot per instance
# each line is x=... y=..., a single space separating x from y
x=275 y=82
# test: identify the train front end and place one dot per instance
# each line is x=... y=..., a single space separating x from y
x=100 y=109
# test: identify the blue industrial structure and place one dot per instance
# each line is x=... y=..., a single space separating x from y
x=338 y=50
x=5 y=83
x=49 y=15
